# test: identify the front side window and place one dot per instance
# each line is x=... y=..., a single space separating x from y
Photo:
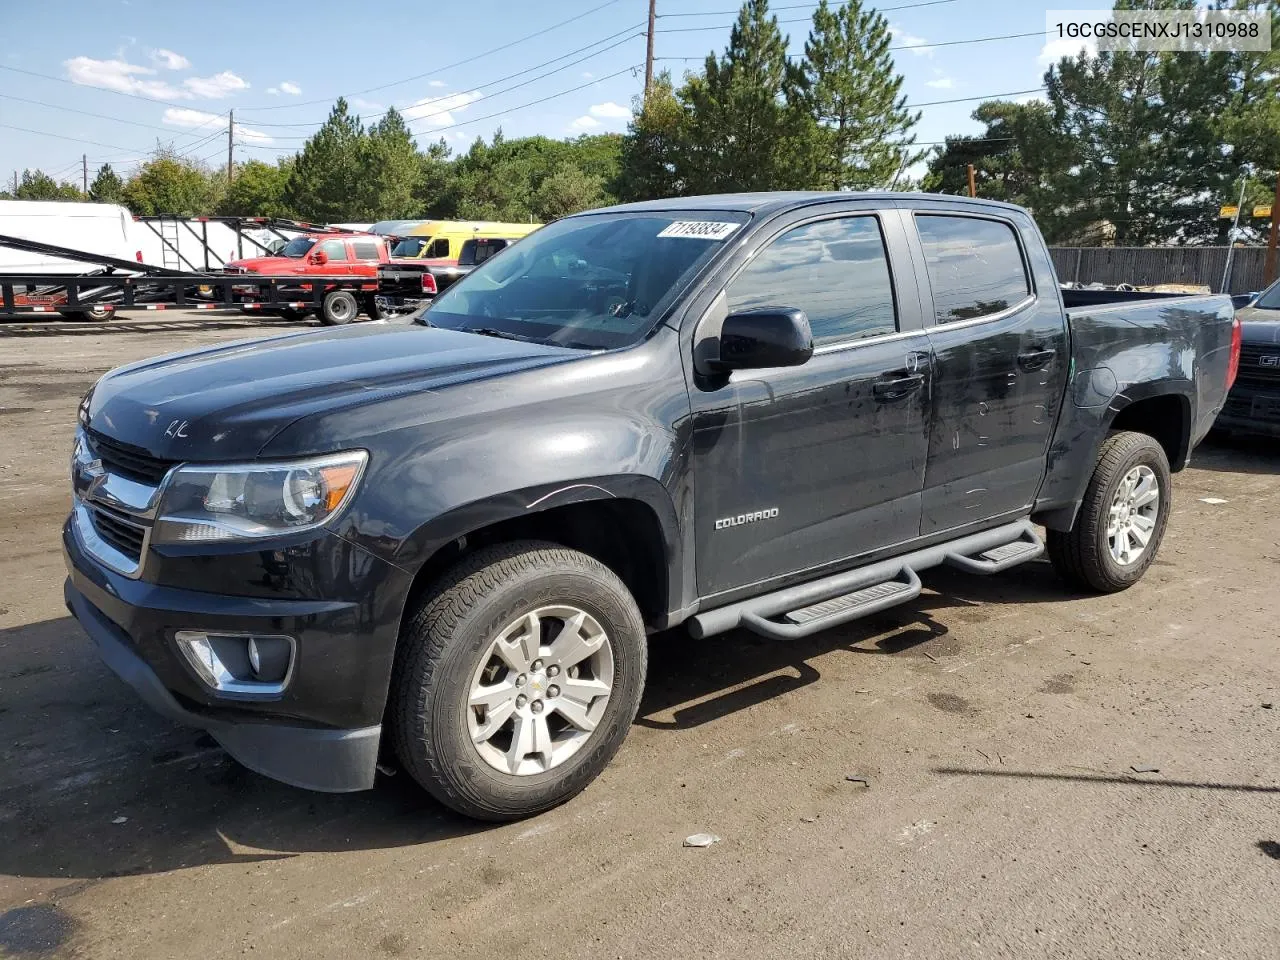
x=594 y=281
x=1270 y=298
x=836 y=271
x=975 y=266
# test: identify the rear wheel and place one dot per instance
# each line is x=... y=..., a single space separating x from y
x=1122 y=518
x=517 y=679
x=339 y=308
x=374 y=311
x=95 y=314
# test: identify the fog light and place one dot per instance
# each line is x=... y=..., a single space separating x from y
x=239 y=664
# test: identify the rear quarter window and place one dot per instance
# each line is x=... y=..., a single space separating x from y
x=975 y=266
x=365 y=249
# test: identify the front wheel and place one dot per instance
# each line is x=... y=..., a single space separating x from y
x=516 y=680
x=1122 y=518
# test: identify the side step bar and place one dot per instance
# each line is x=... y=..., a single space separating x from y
x=809 y=608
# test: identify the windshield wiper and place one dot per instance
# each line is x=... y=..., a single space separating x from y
x=505 y=335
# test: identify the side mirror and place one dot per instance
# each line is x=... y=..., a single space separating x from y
x=765 y=337
x=319 y=258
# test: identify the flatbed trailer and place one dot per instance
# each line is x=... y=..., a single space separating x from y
x=115 y=285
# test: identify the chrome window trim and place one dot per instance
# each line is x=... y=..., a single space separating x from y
x=1004 y=314
x=844 y=345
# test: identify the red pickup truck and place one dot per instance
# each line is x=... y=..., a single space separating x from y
x=327 y=255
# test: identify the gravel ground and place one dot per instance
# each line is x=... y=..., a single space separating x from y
x=997 y=721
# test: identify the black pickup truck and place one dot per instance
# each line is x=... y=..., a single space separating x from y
x=1254 y=403
x=442 y=544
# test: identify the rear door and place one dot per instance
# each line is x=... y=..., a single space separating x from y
x=803 y=467
x=1001 y=360
x=365 y=257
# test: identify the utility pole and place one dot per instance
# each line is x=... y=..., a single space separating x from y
x=648 y=57
x=15 y=183
x=1269 y=268
x=973 y=183
x=231 y=141
x=1231 y=239
x=84 y=166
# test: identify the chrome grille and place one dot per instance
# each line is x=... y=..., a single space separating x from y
x=128 y=460
x=118 y=530
x=1259 y=363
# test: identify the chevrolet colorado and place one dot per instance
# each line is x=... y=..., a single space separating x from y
x=442 y=544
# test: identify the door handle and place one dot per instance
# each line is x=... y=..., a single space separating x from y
x=895 y=387
x=1036 y=359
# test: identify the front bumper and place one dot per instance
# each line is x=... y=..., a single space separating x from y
x=1252 y=408
x=321 y=733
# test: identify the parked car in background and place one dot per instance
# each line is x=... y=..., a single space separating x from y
x=326 y=255
x=406 y=284
x=1254 y=403
x=441 y=240
x=446 y=542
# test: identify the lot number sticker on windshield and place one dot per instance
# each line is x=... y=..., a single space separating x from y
x=699 y=229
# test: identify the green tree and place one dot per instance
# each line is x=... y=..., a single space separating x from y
x=38 y=185
x=854 y=94
x=257 y=190
x=325 y=183
x=391 y=168
x=743 y=131
x=170 y=184
x=435 y=188
x=107 y=187
x=650 y=165
x=566 y=190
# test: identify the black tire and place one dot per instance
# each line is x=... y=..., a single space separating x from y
x=441 y=644
x=339 y=308
x=1082 y=555
x=294 y=315
x=88 y=314
x=374 y=311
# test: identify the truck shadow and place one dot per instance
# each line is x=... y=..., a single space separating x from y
x=1237 y=454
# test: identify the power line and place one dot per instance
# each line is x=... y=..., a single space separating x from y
x=58 y=136
x=102 y=116
x=517 y=86
x=88 y=86
x=911 y=46
x=989 y=96
x=800 y=6
x=448 y=66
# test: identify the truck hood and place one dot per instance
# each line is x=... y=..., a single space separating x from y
x=227 y=402
x=1259 y=326
x=276 y=265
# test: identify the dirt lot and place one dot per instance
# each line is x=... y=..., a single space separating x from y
x=998 y=723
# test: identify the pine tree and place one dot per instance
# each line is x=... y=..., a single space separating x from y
x=391 y=168
x=854 y=94
x=107 y=187
x=742 y=130
x=325 y=183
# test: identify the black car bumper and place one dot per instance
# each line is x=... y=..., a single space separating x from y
x=1252 y=408
x=323 y=730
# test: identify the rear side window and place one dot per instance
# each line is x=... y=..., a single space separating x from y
x=334 y=249
x=365 y=249
x=975 y=266
x=438 y=249
x=478 y=251
x=836 y=271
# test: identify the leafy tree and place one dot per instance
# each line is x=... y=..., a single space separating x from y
x=391 y=167
x=325 y=183
x=854 y=93
x=650 y=165
x=567 y=190
x=741 y=129
x=170 y=184
x=107 y=187
x=257 y=190
x=38 y=185
x=1018 y=158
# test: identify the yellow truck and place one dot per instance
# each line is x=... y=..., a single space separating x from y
x=443 y=239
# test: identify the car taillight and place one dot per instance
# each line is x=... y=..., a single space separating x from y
x=1237 y=338
x=429 y=284
x=139 y=256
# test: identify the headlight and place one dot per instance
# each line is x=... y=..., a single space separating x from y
x=248 y=501
x=82 y=412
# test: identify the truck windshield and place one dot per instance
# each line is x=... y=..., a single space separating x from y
x=595 y=281
x=1270 y=298
x=297 y=248
x=409 y=247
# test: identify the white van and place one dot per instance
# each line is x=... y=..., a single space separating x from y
x=101 y=228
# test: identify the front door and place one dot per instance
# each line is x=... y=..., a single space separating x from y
x=798 y=468
x=1001 y=363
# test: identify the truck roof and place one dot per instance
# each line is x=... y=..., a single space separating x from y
x=776 y=201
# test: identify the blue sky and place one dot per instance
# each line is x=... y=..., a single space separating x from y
x=280 y=65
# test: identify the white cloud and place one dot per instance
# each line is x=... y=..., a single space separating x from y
x=584 y=122
x=361 y=104
x=941 y=83
x=190 y=119
x=220 y=85
x=439 y=111
x=917 y=45
x=291 y=88
x=436 y=83
x=588 y=75
x=610 y=111
x=1060 y=47
x=168 y=60
x=120 y=76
